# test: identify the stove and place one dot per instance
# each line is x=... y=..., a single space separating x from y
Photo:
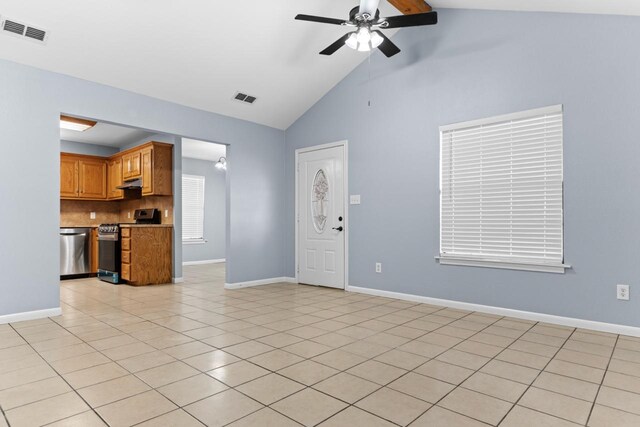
x=109 y=253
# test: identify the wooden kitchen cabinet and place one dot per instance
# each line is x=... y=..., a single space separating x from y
x=131 y=165
x=83 y=177
x=94 y=250
x=146 y=255
x=69 y=177
x=157 y=169
x=114 y=179
x=97 y=178
x=93 y=179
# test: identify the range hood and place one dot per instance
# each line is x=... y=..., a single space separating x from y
x=134 y=184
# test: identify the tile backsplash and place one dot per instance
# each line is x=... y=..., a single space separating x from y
x=160 y=202
x=77 y=213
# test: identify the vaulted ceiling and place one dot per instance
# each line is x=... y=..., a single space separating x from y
x=200 y=52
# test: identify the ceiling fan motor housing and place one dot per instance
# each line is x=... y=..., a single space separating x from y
x=355 y=17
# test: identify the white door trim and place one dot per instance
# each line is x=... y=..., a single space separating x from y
x=299 y=151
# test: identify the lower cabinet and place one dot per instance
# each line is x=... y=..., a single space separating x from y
x=146 y=255
x=94 y=250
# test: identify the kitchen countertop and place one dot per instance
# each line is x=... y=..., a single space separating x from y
x=146 y=225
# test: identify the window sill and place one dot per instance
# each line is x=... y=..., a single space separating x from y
x=509 y=265
x=194 y=242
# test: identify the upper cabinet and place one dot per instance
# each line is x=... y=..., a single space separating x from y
x=82 y=177
x=69 y=177
x=131 y=165
x=157 y=169
x=114 y=179
x=98 y=178
x=93 y=178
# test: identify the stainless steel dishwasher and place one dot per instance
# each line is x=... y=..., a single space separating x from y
x=75 y=252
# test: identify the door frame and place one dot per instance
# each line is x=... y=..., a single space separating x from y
x=345 y=145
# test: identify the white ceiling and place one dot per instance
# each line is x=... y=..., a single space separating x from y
x=202 y=150
x=200 y=52
x=193 y=52
x=606 y=7
x=105 y=134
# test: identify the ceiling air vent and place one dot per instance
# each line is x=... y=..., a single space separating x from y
x=243 y=97
x=15 y=28
x=35 y=34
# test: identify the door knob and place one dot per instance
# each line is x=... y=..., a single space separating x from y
x=337 y=228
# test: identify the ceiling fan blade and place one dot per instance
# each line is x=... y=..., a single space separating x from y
x=387 y=47
x=409 y=7
x=368 y=6
x=320 y=19
x=331 y=49
x=415 y=20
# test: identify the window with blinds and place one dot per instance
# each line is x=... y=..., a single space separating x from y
x=192 y=208
x=501 y=192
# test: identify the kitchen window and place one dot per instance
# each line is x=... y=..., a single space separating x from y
x=501 y=192
x=192 y=209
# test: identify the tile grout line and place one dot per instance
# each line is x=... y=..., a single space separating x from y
x=453 y=319
x=475 y=371
x=66 y=382
x=540 y=371
x=4 y=416
x=604 y=376
x=251 y=298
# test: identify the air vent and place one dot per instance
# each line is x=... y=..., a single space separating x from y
x=243 y=97
x=15 y=28
x=35 y=34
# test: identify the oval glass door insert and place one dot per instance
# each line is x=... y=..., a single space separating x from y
x=320 y=201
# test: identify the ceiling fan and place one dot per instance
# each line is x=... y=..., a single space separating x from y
x=367 y=23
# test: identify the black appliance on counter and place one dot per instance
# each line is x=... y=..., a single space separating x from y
x=147 y=216
x=109 y=253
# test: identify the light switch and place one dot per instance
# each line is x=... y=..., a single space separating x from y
x=354 y=199
x=166 y=213
x=92 y=215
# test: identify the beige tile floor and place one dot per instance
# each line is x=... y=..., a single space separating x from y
x=288 y=355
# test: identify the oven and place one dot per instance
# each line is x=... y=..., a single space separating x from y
x=109 y=253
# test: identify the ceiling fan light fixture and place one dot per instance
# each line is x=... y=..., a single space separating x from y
x=352 y=41
x=363 y=40
x=376 y=40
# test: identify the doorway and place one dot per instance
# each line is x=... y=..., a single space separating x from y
x=321 y=215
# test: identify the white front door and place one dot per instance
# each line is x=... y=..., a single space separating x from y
x=321 y=217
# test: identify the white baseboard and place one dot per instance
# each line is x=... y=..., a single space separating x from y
x=519 y=314
x=177 y=280
x=30 y=315
x=239 y=285
x=206 y=261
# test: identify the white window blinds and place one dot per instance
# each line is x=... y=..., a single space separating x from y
x=501 y=191
x=192 y=208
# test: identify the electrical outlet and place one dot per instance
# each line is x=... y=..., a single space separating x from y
x=166 y=213
x=623 y=292
x=92 y=215
x=378 y=267
x=129 y=214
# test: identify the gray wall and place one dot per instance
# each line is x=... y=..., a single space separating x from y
x=477 y=64
x=89 y=149
x=31 y=101
x=214 y=211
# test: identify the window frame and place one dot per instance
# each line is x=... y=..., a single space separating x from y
x=492 y=261
x=194 y=240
